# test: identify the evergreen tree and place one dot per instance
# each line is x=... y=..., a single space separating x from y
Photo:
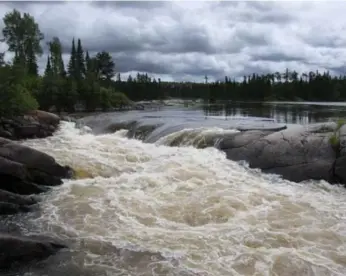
x=80 y=62
x=23 y=37
x=48 y=70
x=71 y=68
x=87 y=62
x=55 y=49
x=31 y=62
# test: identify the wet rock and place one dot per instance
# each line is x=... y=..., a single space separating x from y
x=26 y=171
x=297 y=153
x=19 y=186
x=11 y=208
x=5 y=133
x=35 y=124
x=32 y=159
x=44 y=117
x=9 y=197
x=18 y=250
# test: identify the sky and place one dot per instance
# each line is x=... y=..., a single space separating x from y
x=186 y=40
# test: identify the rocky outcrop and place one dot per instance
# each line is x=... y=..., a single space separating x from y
x=17 y=250
x=23 y=172
x=295 y=152
x=35 y=124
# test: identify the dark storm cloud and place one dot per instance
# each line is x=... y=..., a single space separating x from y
x=130 y=4
x=276 y=56
x=185 y=39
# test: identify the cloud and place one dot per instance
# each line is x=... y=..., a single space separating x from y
x=186 y=40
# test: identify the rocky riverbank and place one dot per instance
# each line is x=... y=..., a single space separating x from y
x=296 y=152
x=35 y=124
x=25 y=172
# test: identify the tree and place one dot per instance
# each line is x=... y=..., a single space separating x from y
x=105 y=65
x=48 y=70
x=87 y=62
x=23 y=37
x=80 y=62
x=55 y=50
x=31 y=61
x=71 y=68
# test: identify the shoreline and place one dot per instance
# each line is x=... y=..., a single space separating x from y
x=296 y=153
x=25 y=173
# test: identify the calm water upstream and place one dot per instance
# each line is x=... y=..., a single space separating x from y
x=150 y=209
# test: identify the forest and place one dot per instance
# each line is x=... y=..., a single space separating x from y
x=91 y=82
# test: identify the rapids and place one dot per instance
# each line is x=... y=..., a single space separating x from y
x=150 y=209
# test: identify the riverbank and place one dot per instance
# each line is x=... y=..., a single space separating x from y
x=295 y=152
x=25 y=173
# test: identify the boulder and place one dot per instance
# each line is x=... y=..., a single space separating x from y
x=12 y=198
x=26 y=171
x=18 y=250
x=297 y=153
x=35 y=124
x=33 y=160
x=11 y=208
x=44 y=117
x=19 y=186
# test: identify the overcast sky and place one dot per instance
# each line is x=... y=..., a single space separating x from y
x=188 y=40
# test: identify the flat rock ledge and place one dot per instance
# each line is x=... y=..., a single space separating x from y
x=34 y=124
x=295 y=152
x=25 y=172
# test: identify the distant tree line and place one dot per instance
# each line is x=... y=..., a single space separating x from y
x=312 y=86
x=91 y=82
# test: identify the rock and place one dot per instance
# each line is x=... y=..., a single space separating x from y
x=32 y=159
x=19 y=186
x=295 y=153
x=35 y=124
x=18 y=250
x=340 y=169
x=44 y=117
x=10 y=208
x=26 y=171
x=9 y=197
x=6 y=134
x=28 y=131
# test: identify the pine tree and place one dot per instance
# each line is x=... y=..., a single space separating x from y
x=87 y=62
x=31 y=61
x=57 y=62
x=48 y=70
x=80 y=63
x=71 y=68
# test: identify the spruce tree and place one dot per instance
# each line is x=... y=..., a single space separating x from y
x=48 y=70
x=87 y=62
x=31 y=61
x=71 y=68
x=57 y=62
x=80 y=63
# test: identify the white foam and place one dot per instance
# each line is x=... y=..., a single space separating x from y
x=220 y=217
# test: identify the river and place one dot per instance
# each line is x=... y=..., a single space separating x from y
x=151 y=209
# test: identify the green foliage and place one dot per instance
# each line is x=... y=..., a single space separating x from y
x=104 y=65
x=23 y=36
x=15 y=99
x=71 y=68
x=334 y=140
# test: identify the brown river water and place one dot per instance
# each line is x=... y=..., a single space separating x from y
x=150 y=209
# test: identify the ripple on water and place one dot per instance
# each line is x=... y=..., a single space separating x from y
x=191 y=210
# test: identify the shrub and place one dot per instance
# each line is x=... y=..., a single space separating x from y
x=16 y=100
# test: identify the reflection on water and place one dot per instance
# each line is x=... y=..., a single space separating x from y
x=280 y=112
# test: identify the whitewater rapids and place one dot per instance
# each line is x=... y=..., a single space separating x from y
x=150 y=209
